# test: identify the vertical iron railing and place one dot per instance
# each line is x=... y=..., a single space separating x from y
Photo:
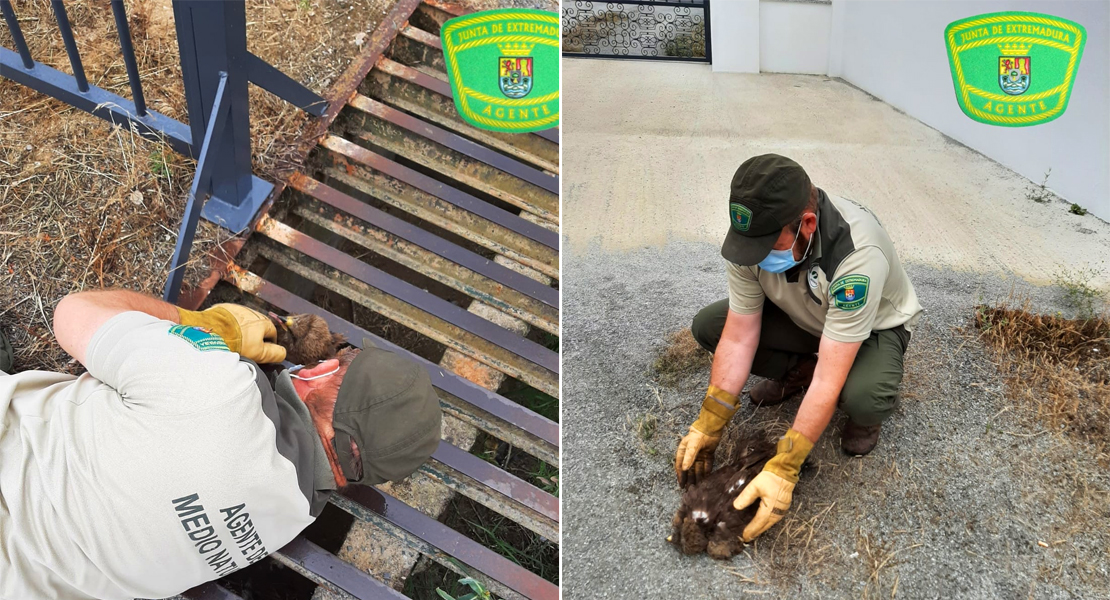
x=216 y=68
x=129 y=61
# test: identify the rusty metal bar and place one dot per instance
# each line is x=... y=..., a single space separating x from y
x=420 y=56
x=495 y=489
x=442 y=191
x=454 y=165
x=485 y=409
x=443 y=543
x=424 y=80
x=324 y=569
x=422 y=36
x=427 y=50
x=412 y=317
x=409 y=294
x=439 y=11
x=457 y=143
x=430 y=242
x=412 y=91
x=436 y=211
x=430 y=264
x=209 y=591
x=347 y=82
x=402 y=239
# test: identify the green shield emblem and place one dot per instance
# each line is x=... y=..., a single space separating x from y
x=741 y=216
x=1014 y=69
x=504 y=68
x=850 y=291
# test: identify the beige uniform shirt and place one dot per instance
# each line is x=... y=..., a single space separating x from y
x=849 y=284
x=163 y=467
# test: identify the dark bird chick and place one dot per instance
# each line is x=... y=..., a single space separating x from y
x=306 y=338
x=706 y=520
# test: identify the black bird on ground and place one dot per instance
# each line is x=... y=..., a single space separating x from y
x=706 y=520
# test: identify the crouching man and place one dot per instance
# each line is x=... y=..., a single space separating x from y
x=817 y=302
x=174 y=460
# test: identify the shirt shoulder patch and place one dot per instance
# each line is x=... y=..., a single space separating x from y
x=849 y=292
x=202 y=339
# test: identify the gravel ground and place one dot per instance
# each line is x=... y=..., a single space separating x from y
x=958 y=500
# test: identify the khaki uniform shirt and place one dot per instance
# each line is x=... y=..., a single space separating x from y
x=170 y=463
x=849 y=284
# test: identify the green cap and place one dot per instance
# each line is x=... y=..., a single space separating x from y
x=387 y=406
x=768 y=193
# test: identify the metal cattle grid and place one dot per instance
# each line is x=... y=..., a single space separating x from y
x=404 y=209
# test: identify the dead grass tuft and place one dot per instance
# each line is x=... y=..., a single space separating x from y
x=1055 y=368
x=84 y=204
x=878 y=556
x=679 y=358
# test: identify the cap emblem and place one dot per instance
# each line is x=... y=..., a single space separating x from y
x=741 y=216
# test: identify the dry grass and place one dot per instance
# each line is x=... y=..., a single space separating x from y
x=1056 y=369
x=83 y=204
x=878 y=556
x=679 y=358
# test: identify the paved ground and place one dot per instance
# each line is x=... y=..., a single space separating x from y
x=650 y=149
x=961 y=493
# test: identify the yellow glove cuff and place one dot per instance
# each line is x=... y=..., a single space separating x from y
x=218 y=320
x=793 y=448
x=716 y=411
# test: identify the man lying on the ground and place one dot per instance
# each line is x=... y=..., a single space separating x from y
x=174 y=460
x=817 y=302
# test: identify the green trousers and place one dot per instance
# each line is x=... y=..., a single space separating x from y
x=871 y=391
x=7 y=357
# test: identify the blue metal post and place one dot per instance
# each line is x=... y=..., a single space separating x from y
x=213 y=130
x=212 y=38
x=17 y=34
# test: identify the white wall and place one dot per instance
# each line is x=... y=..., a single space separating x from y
x=793 y=37
x=894 y=49
x=881 y=40
x=734 y=32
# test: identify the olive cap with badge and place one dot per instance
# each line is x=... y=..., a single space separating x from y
x=768 y=193
x=389 y=409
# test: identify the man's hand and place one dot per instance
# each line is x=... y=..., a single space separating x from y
x=694 y=459
x=774 y=486
x=697 y=448
x=245 y=331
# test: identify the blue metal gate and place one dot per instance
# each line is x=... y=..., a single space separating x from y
x=216 y=68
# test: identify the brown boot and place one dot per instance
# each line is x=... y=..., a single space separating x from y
x=858 y=440
x=770 y=392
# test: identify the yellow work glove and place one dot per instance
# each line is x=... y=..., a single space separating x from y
x=694 y=459
x=774 y=486
x=245 y=331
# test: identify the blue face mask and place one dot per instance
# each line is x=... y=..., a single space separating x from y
x=781 y=261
